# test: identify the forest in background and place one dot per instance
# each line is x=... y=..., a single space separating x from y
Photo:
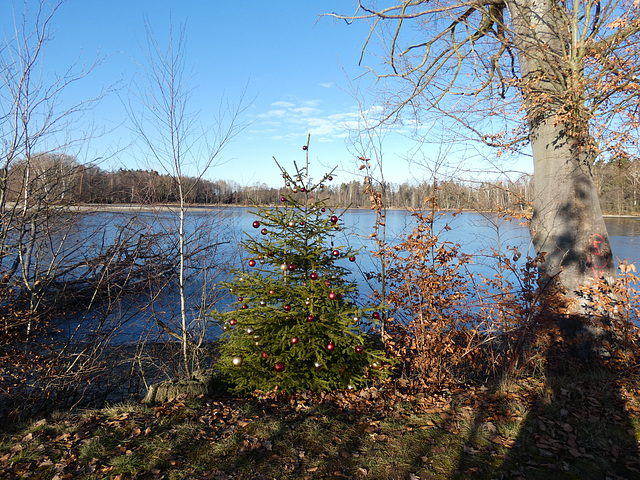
x=63 y=177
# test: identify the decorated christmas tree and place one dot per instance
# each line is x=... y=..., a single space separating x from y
x=296 y=323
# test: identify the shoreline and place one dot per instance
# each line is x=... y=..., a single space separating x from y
x=131 y=207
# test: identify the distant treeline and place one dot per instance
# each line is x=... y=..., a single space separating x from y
x=63 y=178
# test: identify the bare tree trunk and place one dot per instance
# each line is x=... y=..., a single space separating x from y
x=567 y=222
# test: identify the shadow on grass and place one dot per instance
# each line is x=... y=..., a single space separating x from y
x=576 y=425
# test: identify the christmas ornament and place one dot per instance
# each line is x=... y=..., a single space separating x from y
x=291 y=267
x=294 y=340
x=245 y=306
x=330 y=178
x=310 y=318
x=256 y=336
x=250 y=332
x=332 y=295
x=292 y=224
x=283 y=267
x=271 y=292
x=359 y=349
x=261 y=261
x=352 y=258
x=327 y=283
x=317 y=365
x=307 y=302
x=287 y=308
x=336 y=253
x=232 y=322
x=237 y=361
x=302 y=189
x=263 y=231
x=240 y=299
x=304 y=147
x=375 y=365
x=330 y=346
x=263 y=303
x=283 y=199
x=350 y=387
x=256 y=224
x=279 y=367
x=313 y=276
x=356 y=319
x=264 y=355
x=323 y=209
x=334 y=219
x=225 y=327
x=252 y=263
x=376 y=315
x=301 y=223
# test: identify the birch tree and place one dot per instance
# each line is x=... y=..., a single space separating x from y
x=554 y=79
x=173 y=140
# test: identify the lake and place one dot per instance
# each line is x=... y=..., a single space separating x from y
x=477 y=234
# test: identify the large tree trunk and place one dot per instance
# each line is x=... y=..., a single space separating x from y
x=567 y=221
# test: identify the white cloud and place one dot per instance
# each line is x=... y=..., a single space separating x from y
x=328 y=85
x=283 y=104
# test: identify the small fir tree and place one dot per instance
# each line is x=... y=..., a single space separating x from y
x=295 y=324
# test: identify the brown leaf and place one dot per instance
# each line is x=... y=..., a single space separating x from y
x=312 y=469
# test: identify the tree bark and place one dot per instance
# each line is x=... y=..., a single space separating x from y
x=567 y=222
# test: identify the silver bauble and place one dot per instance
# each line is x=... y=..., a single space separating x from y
x=237 y=361
x=249 y=330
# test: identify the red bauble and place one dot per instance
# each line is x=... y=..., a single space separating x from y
x=302 y=189
x=283 y=199
x=294 y=340
x=333 y=296
x=279 y=367
x=376 y=315
x=256 y=224
x=327 y=283
x=313 y=276
x=232 y=321
x=240 y=299
x=245 y=306
x=359 y=349
x=291 y=267
x=264 y=355
x=304 y=147
x=334 y=219
x=263 y=231
x=302 y=224
x=252 y=263
x=330 y=178
x=330 y=346
x=352 y=258
x=310 y=318
x=323 y=209
x=271 y=292
x=336 y=253
x=269 y=254
x=287 y=308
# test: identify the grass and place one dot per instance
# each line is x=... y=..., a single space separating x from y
x=561 y=427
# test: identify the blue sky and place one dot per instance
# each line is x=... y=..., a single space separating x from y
x=296 y=68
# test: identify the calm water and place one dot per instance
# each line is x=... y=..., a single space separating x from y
x=477 y=234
